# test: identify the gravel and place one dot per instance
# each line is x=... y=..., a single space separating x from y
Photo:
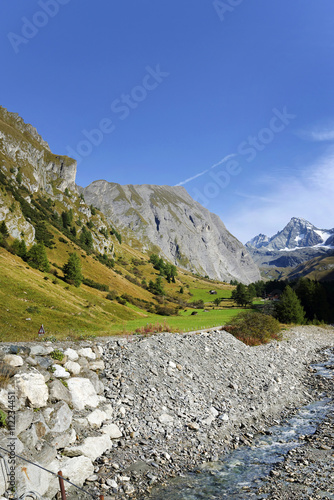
x=183 y=400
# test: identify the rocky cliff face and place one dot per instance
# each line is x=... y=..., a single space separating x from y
x=21 y=145
x=167 y=220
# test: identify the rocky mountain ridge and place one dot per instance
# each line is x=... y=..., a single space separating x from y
x=298 y=242
x=298 y=233
x=167 y=220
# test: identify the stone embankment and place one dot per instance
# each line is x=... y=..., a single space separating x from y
x=120 y=415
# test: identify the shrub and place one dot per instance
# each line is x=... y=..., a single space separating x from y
x=95 y=284
x=57 y=354
x=112 y=295
x=197 y=304
x=165 y=310
x=154 y=328
x=254 y=328
x=3 y=419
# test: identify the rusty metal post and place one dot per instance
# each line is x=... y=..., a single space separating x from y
x=61 y=484
x=101 y=497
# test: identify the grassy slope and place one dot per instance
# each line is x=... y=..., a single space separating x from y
x=29 y=298
x=69 y=312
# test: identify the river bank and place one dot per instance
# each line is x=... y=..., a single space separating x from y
x=183 y=400
x=138 y=411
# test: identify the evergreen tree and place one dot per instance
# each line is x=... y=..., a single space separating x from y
x=217 y=301
x=20 y=248
x=72 y=270
x=241 y=295
x=289 y=308
x=37 y=257
x=4 y=229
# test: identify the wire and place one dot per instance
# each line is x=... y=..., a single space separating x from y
x=50 y=471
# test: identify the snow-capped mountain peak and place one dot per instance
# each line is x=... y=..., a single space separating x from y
x=298 y=233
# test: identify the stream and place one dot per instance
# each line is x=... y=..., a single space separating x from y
x=240 y=473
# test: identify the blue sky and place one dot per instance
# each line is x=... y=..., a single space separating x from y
x=159 y=92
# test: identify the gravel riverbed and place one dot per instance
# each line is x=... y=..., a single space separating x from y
x=183 y=400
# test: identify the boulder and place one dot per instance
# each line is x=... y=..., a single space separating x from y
x=23 y=420
x=13 y=360
x=112 y=431
x=96 y=418
x=60 y=372
x=87 y=353
x=71 y=354
x=61 y=418
x=40 y=350
x=97 y=365
x=82 y=393
x=31 y=389
x=92 y=447
x=64 y=439
x=72 y=367
x=58 y=392
x=76 y=469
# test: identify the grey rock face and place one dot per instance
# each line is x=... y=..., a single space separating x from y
x=167 y=220
x=21 y=142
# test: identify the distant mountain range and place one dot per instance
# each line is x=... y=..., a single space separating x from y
x=299 y=242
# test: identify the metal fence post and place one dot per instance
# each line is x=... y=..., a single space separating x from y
x=61 y=484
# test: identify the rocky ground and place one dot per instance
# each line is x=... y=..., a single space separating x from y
x=184 y=400
x=171 y=402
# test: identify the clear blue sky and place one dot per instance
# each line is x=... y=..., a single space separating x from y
x=177 y=86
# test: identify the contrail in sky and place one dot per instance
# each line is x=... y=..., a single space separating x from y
x=205 y=171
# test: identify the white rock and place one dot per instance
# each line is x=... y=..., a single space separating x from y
x=87 y=353
x=82 y=393
x=64 y=439
x=100 y=349
x=77 y=469
x=72 y=367
x=112 y=483
x=96 y=418
x=4 y=398
x=92 y=447
x=61 y=418
x=97 y=365
x=166 y=419
x=31 y=478
x=109 y=411
x=172 y=364
x=13 y=360
x=112 y=431
x=214 y=412
x=224 y=417
x=71 y=354
x=32 y=387
x=60 y=372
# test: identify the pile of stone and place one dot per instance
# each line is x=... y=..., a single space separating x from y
x=58 y=414
x=118 y=416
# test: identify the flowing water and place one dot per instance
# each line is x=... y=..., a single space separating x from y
x=239 y=474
